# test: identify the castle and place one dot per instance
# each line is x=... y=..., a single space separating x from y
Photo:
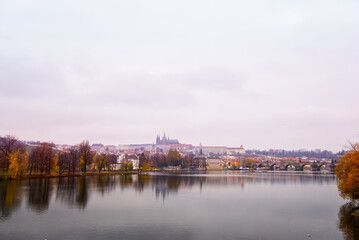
x=165 y=140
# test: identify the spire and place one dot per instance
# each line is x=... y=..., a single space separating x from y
x=158 y=139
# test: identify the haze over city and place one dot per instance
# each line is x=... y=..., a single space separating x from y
x=277 y=74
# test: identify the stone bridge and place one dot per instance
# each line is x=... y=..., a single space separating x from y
x=297 y=166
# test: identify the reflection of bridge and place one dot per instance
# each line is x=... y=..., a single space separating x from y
x=297 y=166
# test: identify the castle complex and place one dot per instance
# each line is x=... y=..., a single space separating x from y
x=165 y=141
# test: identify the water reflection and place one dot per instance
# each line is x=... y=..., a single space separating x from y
x=347 y=223
x=106 y=184
x=66 y=190
x=39 y=194
x=75 y=192
x=10 y=198
x=178 y=206
x=82 y=193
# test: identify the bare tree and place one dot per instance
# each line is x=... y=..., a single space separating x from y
x=85 y=155
x=74 y=160
x=42 y=158
x=63 y=161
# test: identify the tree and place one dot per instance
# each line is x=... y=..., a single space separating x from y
x=34 y=162
x=142 y=160
x=13 y=165
x=8 y=145
x=74 y=160
x=85 y=155
x=130 y=166
x=44 y=157
x=17 y=164
x=124 y=165
x=348 y=174
x=173 y=158
x=101 y=161
x=249 y=162
x=63 y=162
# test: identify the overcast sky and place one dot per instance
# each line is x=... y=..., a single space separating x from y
x=264 y=74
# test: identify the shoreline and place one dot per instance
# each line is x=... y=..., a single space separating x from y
x=176 y=172
x=56 y=175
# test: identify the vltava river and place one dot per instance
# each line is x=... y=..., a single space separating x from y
x=227 y=205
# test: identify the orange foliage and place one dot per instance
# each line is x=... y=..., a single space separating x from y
x=348 y=174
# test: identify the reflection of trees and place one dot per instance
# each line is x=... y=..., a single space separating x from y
x=142 y=181
x=10 y=198
x=73 y=191
x=39 y=194
x=106 y=183
x=173 y=183
x=82 y=193
x=348 y=224
x=125 y=181
x=66 y=190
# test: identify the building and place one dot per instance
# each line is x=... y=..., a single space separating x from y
x=134 y=159
x=165 y=140
x=214 y=164
x=209 y=150
x=236 y=151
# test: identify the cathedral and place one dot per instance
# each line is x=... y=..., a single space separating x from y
x=165 y=140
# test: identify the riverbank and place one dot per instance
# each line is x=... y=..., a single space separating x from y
x=57 y=175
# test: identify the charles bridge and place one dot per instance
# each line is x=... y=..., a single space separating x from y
x=296 y=166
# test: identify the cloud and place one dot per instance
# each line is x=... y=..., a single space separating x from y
x=256 y=73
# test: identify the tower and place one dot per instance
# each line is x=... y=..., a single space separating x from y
x=164 y=139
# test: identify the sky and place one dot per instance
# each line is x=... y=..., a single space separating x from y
x=280 y=74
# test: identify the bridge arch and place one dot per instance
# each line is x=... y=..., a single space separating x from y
x=306 y=166
x=274 y=166
x=261 y=165
x=324 y=167
x=289 y=167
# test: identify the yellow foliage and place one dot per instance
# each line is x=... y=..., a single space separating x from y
x=348 y=174
x=18 y=163
x=82 y=164
x=23 y=162
x=56 y=167
x=14 y=165
x=146 y=167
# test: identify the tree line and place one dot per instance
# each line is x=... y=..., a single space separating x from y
x=16 y=158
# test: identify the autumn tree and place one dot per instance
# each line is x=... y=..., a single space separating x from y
x=85 y=155
x=63 y=160
x=74 y=160
x=101 y=161
x=124 y=165
x=173 y=158
x=348 y=174
x=130 y=166
x=8 y=145
x=144 y=163
x=42 y=158
x=47 y=157
x=34 y=161
x=249 y=162
x=158 y=160
x=142 y=159
x=18 y=163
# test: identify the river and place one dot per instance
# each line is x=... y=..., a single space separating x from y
x=223 y=205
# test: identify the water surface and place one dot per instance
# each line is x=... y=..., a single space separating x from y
x=227 y=205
